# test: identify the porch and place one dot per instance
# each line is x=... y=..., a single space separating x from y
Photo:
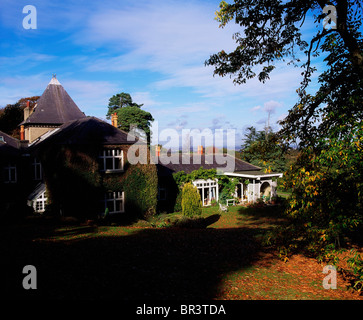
x=255 y=185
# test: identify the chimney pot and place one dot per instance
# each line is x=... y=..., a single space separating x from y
x=114 y=120
x=200 y=150
x=22 y=133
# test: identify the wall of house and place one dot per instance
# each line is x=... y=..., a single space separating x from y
x=34 y=132
x=76 y=185
x=13 y=194
x=167 y=182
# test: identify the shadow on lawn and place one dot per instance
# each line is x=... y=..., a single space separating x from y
x=264 y=217
x=150 y=264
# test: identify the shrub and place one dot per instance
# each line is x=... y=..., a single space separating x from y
x=191 y=202
x=178 y=202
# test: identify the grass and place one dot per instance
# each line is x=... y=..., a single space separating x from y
x=218 y=257
x=283 y=194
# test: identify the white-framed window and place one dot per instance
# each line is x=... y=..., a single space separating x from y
x=111 y=160
x=37 y=169
x=40 y=202
x=9 y=173
x=208 y=190
x=115 y=202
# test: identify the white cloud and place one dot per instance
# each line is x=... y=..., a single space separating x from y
x=255 y=108
x=90 y=96
x=271 y=106
x=145 y=98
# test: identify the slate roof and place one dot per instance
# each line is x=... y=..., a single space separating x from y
x=187 y=164
x=55 y=107
x=39 y=189
x=8 y=145
x=85 y=131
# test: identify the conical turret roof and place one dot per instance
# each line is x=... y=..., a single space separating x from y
x=55 y=106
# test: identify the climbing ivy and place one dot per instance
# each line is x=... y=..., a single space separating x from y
x=227 y=185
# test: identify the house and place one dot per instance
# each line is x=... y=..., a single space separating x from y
x=54 y=108
x=10 y=152
x=79 y=165
x=253 y=182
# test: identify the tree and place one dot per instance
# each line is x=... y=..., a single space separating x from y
x=270 y=34
x=191 y=202
x=120 y=100
x=263 y=150
x=133 y=118
x=326 y=203
x=130 y=116
x=13 y=114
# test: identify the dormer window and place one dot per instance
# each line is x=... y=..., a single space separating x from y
x=2 y=139
x=111 y=160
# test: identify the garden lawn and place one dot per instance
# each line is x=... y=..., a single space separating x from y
x=160 y=259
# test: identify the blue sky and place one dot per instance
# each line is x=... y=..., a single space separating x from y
x=154 y=50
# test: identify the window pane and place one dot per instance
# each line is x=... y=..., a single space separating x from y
x=110 y=206
x=119 y=206
x=109 y=164
x=110 y=195
x=118 y=164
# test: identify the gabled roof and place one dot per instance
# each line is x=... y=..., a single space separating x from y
x=55 y=106
x=187 y=164
x=8 y=145
x=39 y=189
x=85 y=131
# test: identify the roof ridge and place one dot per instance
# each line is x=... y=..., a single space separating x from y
x=55 y=106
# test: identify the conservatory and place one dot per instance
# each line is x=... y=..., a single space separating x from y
x=255 y=185
x=208 y=190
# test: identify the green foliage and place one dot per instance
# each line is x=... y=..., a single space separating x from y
x=83 y=196
x=191 y=202
x=130 y=115
x=227 y=186
x=133 y=117
x=178 y=202
x=73 y=181
x=203 y=174
x=181 y=177
x=326 y=203
x=263 y=150
x=326 y=179
x=13 y=114
x=120 y=100
x=139 y=182
x=269 y=34
x=355 y=263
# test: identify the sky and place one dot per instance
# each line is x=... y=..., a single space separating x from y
x=153 y=50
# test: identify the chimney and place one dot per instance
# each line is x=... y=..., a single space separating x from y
x=27 y=110
x=157 y=151
x=200 y=150
x=114 y=120
x=22 y=133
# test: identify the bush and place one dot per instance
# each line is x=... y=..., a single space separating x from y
x=191 y=202
x=178 y=202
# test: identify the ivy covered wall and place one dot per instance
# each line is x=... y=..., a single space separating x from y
x=76 y=186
